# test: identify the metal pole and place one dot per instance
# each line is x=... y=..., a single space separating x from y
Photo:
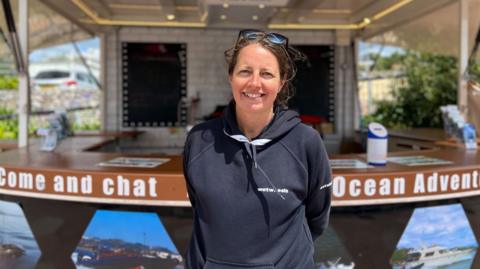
x=23 y=80
x=462 y=56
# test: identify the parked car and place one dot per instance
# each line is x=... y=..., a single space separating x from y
x=63 y=80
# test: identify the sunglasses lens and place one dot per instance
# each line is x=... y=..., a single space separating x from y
x=276 y=38
x=250 y=35
x=273 y=38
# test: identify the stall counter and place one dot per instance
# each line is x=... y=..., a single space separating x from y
x=70 y=173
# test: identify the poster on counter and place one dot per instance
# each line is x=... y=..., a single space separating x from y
x=18 y=248
x=134 y=162
x=348 y=164
x=436 y=237
x=418 y=160
x=124 y=240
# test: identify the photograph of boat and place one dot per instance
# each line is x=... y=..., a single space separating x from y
x=18 y=248
x=432 y=240
x=331 y=253
x=126 y=240
x=436 y=256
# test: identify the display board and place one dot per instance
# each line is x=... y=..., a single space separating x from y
x=154 y=81
x=315 y=84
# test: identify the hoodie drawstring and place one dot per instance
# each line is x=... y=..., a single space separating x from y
x=251 y=149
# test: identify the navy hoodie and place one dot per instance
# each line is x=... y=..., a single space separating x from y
x=257 y=204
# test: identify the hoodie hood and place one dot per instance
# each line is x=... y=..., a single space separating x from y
x=283 y=121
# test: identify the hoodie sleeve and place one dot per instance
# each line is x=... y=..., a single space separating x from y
x=186 y=159
x=319 y=187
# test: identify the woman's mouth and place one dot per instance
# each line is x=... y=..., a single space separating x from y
x=252 y=95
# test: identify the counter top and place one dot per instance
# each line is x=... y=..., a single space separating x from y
x=72 y=174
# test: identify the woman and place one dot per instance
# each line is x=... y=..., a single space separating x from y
x=258 y=179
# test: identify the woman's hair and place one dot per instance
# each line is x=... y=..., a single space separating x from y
x=286 y=56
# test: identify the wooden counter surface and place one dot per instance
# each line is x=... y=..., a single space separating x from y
x=71 y=174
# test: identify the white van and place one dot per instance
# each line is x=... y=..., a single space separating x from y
x=63 y=80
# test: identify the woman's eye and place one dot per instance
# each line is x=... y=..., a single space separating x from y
x=244 y=72
x=267 y=75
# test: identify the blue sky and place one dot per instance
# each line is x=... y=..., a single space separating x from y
x=130 y=227
x=65 y=49
x=367 y=48
x=446 y=226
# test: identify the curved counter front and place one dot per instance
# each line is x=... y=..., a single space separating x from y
x=72 y=174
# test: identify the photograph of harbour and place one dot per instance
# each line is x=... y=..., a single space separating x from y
x=436 y=237
x=18 y=248
x=331 y=253
x=126 y=240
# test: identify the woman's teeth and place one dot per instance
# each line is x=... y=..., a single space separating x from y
x=252 y=95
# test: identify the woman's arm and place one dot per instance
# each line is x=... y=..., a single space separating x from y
x=319 y=187
x=186 y=159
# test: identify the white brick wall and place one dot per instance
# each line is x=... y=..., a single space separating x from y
x=206 y=72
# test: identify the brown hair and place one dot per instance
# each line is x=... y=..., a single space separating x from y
x=286 y=57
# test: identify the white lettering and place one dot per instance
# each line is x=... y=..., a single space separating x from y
x=86 y=184
x=12 y=179
x=370 y=187
x=432 y=183
x=466 y=181
x=444 y=182
x=475 y=179
x=139 y=188
x=72 y=184
x=384 y=186
x=25 y=181
x=152 y=183
x=339 y=186
x=108 y=186
x=354 y=187
x=40 y=182
x=123 y=186
x=58 y=184
x=419 y=184
x=3 y=173
x=454 y=182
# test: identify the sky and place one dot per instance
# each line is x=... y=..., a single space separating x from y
x=130 y=227
x=64 y=49
x=368 y=48
x=445 y=226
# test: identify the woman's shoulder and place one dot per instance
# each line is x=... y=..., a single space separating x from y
x=306 y=133
x=205 y=131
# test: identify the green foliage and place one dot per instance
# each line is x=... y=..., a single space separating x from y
x=93 y=126
x=431 y=83
x=391 y=62
x=8 y=127
x=8 y=83
x=399 y=256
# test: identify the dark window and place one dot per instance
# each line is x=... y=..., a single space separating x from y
x=314 y=84
x=53 y=74
x=81 y=77
x=154 y=82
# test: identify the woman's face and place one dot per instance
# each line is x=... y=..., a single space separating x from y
x=255 y=80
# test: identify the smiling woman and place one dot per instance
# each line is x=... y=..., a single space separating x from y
x=255 y=83
x=259 y=180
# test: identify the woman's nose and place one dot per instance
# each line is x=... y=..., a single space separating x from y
x=255 y=80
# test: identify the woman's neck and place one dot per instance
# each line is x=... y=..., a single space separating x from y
x=252 y=124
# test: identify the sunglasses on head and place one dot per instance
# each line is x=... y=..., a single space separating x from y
x=253 y=34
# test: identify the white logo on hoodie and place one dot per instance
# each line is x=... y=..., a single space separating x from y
x=283 y=190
